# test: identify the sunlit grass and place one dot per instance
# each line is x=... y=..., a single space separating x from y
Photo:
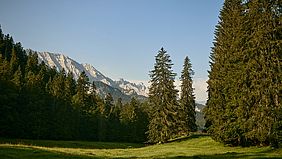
x=194 y=147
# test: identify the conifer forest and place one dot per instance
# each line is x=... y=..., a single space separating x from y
x=38 y=102
x=244 y=105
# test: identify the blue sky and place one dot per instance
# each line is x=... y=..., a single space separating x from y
x=118 y=37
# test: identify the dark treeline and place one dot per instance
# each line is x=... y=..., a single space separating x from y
x=244 y=87
x=38 y=102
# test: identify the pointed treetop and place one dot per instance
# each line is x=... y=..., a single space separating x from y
x=1 y=33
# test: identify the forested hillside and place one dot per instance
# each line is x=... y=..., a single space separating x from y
x=38 y=102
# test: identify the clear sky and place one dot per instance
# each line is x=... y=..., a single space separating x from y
x=120 y=38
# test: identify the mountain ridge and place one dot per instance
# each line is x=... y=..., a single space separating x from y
x=119 y=89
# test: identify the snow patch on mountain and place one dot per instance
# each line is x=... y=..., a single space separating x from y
x=60 y=62
x=132 y=88
x=95 y=75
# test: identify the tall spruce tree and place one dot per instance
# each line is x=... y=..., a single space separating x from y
x=164 y=115
x=226 y=72
x=69 y=87
x=82 y=88
x=109 y=104
x=187 y=98
x=264 y=69
x=244 y=86
x=57 y=86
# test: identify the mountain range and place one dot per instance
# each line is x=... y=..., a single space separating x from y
x=119 y=89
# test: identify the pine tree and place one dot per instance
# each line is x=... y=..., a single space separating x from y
x=5 y=72
x=21 y=55
x=32 y=63
x=82 y=88
x=245 y=77
x=70 y=85
x=187 y=99
x=117 y=108
x=93 y=99
x=104 y=117
x=7 y=47
x=164 y=115
x=226 y=72
x=58 y=85
x=109 y=105
x=264 y=69
x=30 y=81
x=14 y=62
x=1 y=35
x=128 y=112
x=17 y=78
x=114 y=131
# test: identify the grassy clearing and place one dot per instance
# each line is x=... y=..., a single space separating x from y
x=193 y=147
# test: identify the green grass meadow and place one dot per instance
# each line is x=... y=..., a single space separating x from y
x=196 y=147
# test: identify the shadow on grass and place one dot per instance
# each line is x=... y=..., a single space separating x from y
x=232 y=155
x=72 y=144
x=34 y=153
x=30 y=153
